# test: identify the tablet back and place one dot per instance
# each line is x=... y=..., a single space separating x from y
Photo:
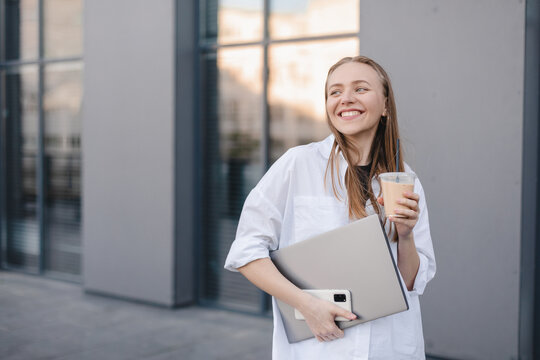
x=356 y=257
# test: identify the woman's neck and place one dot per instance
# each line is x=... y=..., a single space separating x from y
x=362 y=142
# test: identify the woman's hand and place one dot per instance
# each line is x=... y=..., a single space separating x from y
x=320 y=315
x=408 y=259
x=405 y=224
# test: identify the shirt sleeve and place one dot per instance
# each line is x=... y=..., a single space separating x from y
x=424 y=245
x=259 y=227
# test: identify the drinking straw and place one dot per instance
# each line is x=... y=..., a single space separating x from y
x=397 y=155
x=397 y=159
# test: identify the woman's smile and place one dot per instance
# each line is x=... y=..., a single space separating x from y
x=350 y=114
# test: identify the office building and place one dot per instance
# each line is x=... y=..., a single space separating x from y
x=132 y=131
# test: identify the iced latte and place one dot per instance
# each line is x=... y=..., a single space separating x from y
x=393 y=185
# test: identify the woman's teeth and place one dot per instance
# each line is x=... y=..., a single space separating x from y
x=350 y=113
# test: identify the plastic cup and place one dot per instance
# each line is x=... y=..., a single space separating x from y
x=393 y=185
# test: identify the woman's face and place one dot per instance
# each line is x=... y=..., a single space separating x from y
x=355 y=100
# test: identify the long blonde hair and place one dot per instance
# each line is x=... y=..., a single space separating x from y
x=382 y=152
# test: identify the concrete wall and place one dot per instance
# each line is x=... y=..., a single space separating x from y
x=128 y=147
x=457 y=69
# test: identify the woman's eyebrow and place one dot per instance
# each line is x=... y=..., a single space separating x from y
x=353 y=82
x=360 y=81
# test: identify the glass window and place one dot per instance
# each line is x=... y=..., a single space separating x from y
x=232 y=103
x=21 y=27
x=249 y=101
x=300 y=18
x=21 y=156
x=296 y=90
x=233 y=21
x=62 y=27
x=62 y=170
x=41 y=101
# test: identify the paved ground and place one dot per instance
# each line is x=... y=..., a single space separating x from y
x=47 y=319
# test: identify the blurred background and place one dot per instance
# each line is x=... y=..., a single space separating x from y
x=132 y=131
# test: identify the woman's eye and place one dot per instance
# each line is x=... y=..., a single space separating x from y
x=335 y=92
x=361 y=89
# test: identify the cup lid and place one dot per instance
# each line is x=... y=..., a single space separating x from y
x=402 y=177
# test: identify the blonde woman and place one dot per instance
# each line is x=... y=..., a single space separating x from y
x=320 y=186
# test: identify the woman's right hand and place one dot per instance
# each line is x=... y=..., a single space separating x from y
x=320 y=317
x=319 y=314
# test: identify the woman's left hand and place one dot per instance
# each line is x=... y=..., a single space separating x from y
x=405 y=224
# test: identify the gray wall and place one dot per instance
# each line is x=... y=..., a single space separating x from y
x=128 y=147
x=457 y=69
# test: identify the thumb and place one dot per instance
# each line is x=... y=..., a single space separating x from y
x=342 y=312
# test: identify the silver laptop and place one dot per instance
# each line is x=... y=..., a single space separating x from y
x=355 y=257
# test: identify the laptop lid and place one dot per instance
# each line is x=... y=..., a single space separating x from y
x=356 y=257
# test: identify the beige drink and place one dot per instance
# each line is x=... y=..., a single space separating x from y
x=393 y=186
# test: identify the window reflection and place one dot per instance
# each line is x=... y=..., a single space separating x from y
x=21 y=29
x=296 y=90
x=62 y=169
x=290 y=19
x=63 y=30
x=231 y=21
x=21 y=136
x=232 y=104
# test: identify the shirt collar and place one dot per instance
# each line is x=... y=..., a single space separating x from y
x=325 y=146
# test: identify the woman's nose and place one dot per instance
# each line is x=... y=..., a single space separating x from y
x=346 y=97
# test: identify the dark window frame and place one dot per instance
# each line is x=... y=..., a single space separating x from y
x=529 y=306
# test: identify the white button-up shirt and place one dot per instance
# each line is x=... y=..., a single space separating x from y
x=292 y=203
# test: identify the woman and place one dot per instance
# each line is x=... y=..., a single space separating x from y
x=320 y=186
